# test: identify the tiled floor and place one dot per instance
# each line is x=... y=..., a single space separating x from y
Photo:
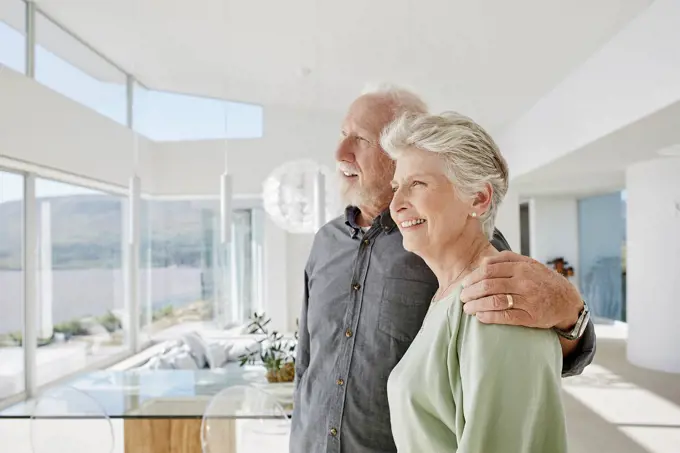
x=85 y=435
x=614 y=407
x=620 y=408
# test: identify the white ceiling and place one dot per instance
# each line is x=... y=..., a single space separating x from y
x=492 y=59
x=600 y=167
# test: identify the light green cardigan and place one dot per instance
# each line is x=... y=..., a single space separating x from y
x=467 y=387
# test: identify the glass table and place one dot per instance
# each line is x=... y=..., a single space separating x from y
x=157 y=407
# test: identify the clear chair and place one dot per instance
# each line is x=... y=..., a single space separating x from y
x=244 y=419
x=68 y=420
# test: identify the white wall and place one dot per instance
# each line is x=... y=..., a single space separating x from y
x=43 y=127
x=507 y=220
x=275 y=275
x=195 y=167
x=635 y=74
x=553 y=225
x=653 y=263
x=285 y=259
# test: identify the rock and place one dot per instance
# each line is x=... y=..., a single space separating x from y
x=92 y=327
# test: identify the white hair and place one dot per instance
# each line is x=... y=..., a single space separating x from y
x=471 y=157
x=400 y=99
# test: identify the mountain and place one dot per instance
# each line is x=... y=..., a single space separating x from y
x=87 y=231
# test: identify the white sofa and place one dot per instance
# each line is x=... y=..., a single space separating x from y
x=192 y=351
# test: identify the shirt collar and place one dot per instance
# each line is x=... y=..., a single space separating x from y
x=384 y=221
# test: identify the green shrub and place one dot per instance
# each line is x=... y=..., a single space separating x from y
x=18 y=338
x=164 y=312
x=110 y=322
x=70 y=328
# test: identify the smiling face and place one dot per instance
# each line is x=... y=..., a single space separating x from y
x=426 y=205
x=365 y=170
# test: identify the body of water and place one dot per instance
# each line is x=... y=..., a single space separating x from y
x=94 y=292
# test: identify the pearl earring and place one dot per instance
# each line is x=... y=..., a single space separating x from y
x=474 y=214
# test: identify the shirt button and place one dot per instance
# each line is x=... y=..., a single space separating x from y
x=340 y=382
x=366 y=241
x=356 y=287
x=348 y=333
x=334 y=432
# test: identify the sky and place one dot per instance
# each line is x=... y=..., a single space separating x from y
x=158 y=115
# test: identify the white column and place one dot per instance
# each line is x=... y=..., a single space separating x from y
x=30 y=39
x=507 y=220
x=228 y=308
x=130 y=101
x=319 y=201
x=653 y=263
x=215 y=268
x=234 y=288
x=276 y=253
x=30 y=334
x=257 y=222
x=132 y=310
x=45 y=325
x=148 y=276
x=553 y=225
x=225 y=208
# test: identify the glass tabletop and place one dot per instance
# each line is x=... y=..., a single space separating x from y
x=153 y=393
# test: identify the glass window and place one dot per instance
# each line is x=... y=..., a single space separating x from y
x=602 y=233
x=165 y=116
x=257 y=226
x=242 y=249
x=11 y=281
x=66 y=65
x=81 y=291
x=13 y=35
x=182 y=266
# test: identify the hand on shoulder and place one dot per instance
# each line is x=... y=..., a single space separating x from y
x=539 y=296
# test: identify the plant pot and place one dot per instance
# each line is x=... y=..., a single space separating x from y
x=284 y=374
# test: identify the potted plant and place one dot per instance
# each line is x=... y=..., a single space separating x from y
x=562 y=267
x=276 y=353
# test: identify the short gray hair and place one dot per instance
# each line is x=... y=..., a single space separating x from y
x=472 y=158
x=400 y=99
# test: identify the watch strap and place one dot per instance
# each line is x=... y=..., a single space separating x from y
x=579 y=328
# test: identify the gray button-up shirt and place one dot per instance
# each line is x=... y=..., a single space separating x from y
x=365 y=300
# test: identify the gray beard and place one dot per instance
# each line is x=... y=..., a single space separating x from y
x=362 y=197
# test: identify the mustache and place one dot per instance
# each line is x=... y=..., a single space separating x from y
x=348 y=168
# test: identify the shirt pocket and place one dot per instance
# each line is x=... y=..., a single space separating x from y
x=403 y=307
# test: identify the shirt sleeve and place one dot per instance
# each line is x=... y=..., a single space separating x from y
x=579 y=359
x=302 y=348
x=583 y=355
x=511 y=395
x=499 y=242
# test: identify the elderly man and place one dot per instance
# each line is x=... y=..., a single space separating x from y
x=366 y=297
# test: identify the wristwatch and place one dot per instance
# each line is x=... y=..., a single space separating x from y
x=577 y=331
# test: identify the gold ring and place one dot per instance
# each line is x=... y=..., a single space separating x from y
x=511 y=303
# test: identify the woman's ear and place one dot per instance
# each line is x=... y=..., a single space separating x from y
x=482 y=200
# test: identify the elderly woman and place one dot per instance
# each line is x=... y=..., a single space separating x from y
x=464 y=386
